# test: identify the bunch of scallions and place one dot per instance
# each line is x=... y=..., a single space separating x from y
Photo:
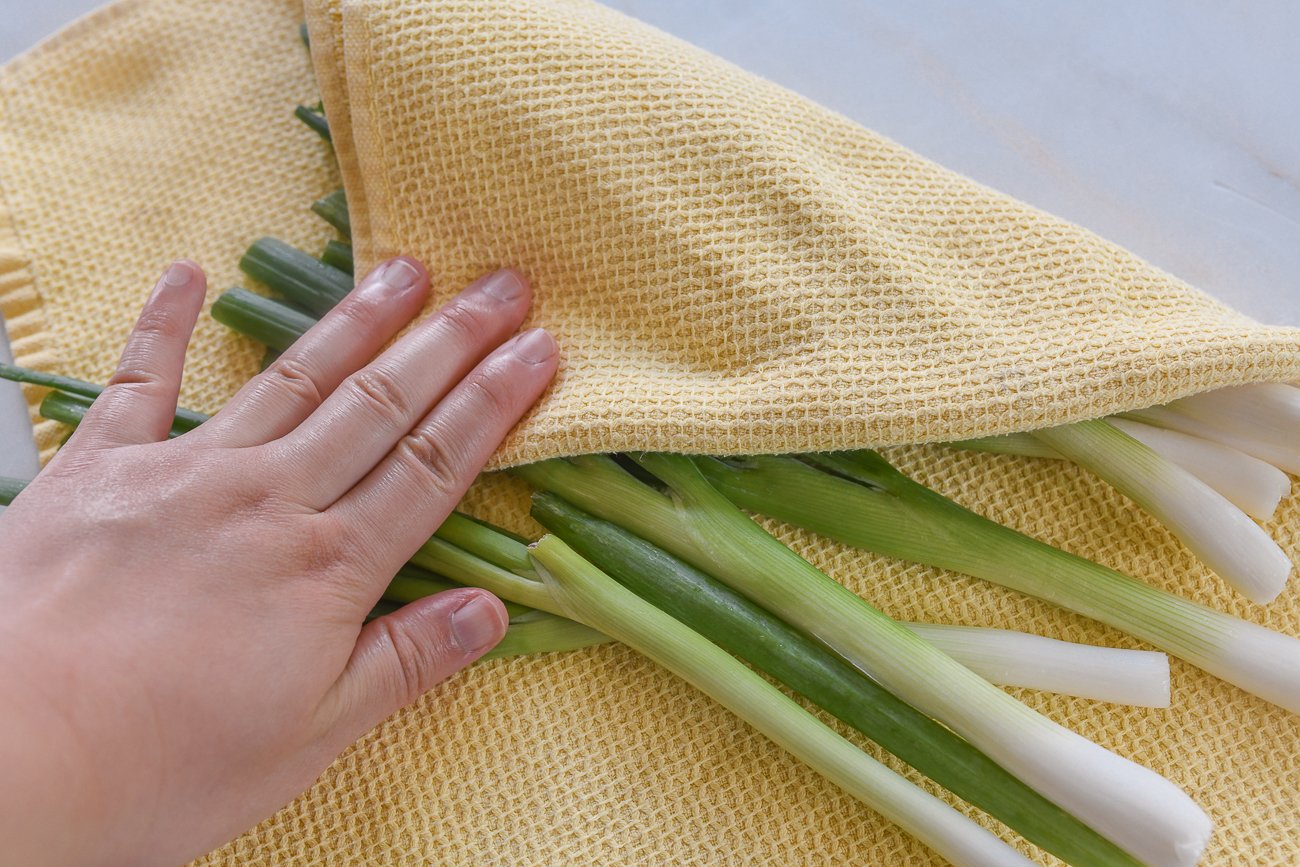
x=657 y=551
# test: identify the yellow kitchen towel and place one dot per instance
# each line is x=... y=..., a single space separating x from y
x=729 y=269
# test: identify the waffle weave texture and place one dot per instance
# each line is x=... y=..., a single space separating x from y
x=729 y=269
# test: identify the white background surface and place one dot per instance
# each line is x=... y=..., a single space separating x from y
x=1172 y=128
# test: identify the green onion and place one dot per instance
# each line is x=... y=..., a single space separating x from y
x=1255 y=487
x=333 y=209
x=1215 y=530
x=1021 y=444
x=539 y=632
x=412 y=583
x=742 y=628
x=592 y=597
x=1138 y=810
x=486 y=542
x=264 y=319
x=314 y=121
x=1283 y=456
x=186 y=419
x=438 y=555
x=70 y=409
x=10 y=488
x=1010 y=658
x=338 y=255
x=870 y=505
x=1266 y=411
x=298 y=276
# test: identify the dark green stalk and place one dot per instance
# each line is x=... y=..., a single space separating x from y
x=186 y=419
x=333 y=209
x=10 y=488
x=755 y=635
x=314 y=121
x=382 y=608
x=338 y=255
x=264 y=319
x=70 y=409
x=304 y=34
x=298 y=276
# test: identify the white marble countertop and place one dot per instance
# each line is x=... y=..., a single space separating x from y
x=1168 y=127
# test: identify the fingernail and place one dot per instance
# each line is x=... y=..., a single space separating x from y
x=178 y=274
x=390 y=279
x=505 y=285
x=476 y=625
x=535 y=346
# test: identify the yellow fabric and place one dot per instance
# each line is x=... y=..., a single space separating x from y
x=729 y=269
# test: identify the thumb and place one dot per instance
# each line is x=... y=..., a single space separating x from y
x=401 y=656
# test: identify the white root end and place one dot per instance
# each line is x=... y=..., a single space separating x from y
x=1254 y=486
x=1010 y=658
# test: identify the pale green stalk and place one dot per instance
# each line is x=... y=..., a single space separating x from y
x=1135 y=808
x=1215 y=530
x=588 y=595
x=1254 y=486
x=863 y=501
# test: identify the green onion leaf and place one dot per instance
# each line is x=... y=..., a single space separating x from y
x=263 y=319
x=298 y=276
x=333 y=209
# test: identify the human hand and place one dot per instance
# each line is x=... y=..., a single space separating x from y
x=183 y=645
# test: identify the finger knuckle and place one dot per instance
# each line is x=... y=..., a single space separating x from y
x=133 y=374
x=465 y=323
x=414 y=669
x=361 y=313
x=438 y=456
x=489 y=393
x=320 y=547
x=159 y=322
x=294 y=377
x=378 y=390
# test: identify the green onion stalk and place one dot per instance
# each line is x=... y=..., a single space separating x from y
x=1141 y=812
x=588 y=595
x=300 y=277
x=314 y=120
x=338 y=255
x=1217 y=532
x=760 y=638
x=186 y=419
x=333 y=209
x=859 y=499
x=1254 y=486
x=271 y=322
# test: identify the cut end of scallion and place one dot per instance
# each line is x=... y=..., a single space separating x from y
x=1010 y=658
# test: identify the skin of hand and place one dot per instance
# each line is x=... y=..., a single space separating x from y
x=183 y=641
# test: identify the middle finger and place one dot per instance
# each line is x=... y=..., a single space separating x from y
x=357 y=425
